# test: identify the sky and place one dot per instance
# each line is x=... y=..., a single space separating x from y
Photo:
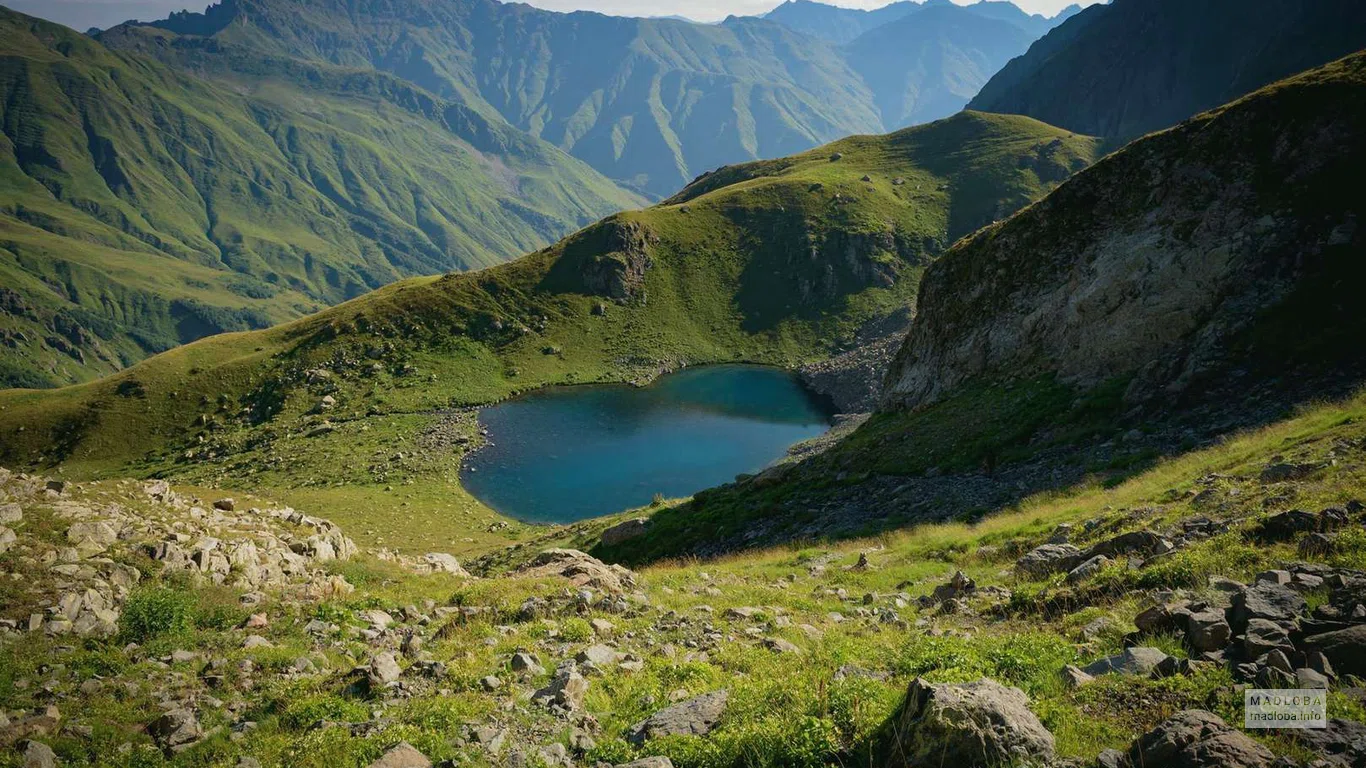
x=83 y=14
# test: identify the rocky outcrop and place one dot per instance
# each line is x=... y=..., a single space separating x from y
x=1196 y=739
x=253 y=550
x=695 y=717
x=977 y=723
x=619 y=271
x=581 y=570
x=1165 y=260
x=625 y=531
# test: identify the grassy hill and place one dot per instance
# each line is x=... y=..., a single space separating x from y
x=779 y=262
x=142 y=207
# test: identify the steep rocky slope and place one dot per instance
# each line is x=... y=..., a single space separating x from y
x=1129 y=67
x=1179 y=258
x=142 y=207
x=841 y=25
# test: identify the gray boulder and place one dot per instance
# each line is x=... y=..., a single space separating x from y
x=566 y=690
x=1265 y=600
x=600 y=655
x=1207 y=631
x=1132 y=661
x=1263 y=636
x=384 y=669
x=176 y=730
x=1342 y=743
x=1087 y=569
x=442 y=562
x=1345 y=649
x=696 y=717
x=977 y=723
x=625 y=531
x=1046 y=559
x=1197 y=739
x=36 y=754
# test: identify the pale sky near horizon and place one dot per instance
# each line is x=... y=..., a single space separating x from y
x=83 y=14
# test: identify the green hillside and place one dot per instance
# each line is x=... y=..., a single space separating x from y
x=780 y=262
x=141 y=207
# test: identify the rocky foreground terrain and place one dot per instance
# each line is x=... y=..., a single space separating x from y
x=142 y=624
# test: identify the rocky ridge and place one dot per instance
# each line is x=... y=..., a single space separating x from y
x=1160 y=263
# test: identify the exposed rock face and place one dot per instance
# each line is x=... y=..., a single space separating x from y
x=1197 y=739
x=625 y=531
x=977 y=723
x=1345 y=648
x=619 y=273
x=696 y=716
x=1159 y=261
x=582 y=570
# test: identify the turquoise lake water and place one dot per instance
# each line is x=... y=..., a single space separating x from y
x=567 y=453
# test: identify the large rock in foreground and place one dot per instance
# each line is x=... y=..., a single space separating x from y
x=977 y=723
x=1197 y=739
x=694 y=717
x=1345 y=648
x=581 y=569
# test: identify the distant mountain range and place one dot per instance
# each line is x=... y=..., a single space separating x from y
x=142 y=207
x=1134 y=66
x=650 y=103
x=237 y=168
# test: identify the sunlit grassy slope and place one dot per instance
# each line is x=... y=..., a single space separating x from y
x=779 y=262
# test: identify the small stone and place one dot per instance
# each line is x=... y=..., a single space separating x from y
x=402 y=755
x=384 y=669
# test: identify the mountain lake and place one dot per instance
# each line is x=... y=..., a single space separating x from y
x=567 y=453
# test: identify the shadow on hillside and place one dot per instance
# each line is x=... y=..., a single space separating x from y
x=983 y=451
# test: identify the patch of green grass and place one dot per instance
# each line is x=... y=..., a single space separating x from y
x=157 y=612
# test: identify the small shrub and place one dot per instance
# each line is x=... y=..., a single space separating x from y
x=575 y=630
x=156 y=612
